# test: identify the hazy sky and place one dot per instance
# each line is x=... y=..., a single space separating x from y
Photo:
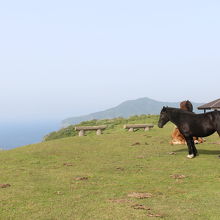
x=67 y=58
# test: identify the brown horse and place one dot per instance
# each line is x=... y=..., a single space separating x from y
x=177 y=137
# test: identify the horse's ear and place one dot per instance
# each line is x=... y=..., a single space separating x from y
x=164 y=109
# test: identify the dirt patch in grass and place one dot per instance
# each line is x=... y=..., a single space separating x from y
x=178 y=176
x=172 y=153
x=148 y=209
x=136 y=143
x=80 y=178
x=140 y=195
x=120 y=168
x=4 y=185
x=58 y=193
x=140 y=206
x=155 y=215
x=67 y=164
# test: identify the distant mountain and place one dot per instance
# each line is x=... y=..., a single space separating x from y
x=126 y=109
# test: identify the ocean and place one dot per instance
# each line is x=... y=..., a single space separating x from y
x=16 y=134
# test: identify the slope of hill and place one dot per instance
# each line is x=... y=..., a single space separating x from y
x=115 y=124
x=126 y=109
x=104 y=177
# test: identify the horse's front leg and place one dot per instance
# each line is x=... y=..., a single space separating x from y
x=191 y=147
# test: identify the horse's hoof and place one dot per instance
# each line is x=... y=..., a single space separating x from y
x=190 y=156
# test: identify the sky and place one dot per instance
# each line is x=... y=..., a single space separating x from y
x=67 y=58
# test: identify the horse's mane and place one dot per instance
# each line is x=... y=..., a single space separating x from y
x=178 y=110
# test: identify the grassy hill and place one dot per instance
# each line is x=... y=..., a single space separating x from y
x=126 y=109
x=112 y=124
x=101 y=177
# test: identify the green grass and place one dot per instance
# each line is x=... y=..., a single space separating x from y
x=42 y=187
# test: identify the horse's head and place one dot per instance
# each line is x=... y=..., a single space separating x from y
x=163 y=117
x=186 y=105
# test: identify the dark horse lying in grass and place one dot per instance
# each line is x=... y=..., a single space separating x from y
x=191 y=124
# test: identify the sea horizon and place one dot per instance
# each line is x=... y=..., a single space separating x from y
x=21 y=133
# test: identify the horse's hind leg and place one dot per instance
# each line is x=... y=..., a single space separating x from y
x=189 y=145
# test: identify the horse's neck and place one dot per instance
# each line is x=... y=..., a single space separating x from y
x=174 y=116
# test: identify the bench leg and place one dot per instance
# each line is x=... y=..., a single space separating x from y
x=131 y=129
x=147 y=129
x=99 y=132
x=81 y=133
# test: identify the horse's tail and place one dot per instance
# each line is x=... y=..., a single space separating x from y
x=218 y=123
x=218 y=129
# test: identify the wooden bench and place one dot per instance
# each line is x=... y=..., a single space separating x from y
x=131 y=127
x=98 y=129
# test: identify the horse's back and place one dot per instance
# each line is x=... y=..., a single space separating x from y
x=201 y=125
x=214 y=116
